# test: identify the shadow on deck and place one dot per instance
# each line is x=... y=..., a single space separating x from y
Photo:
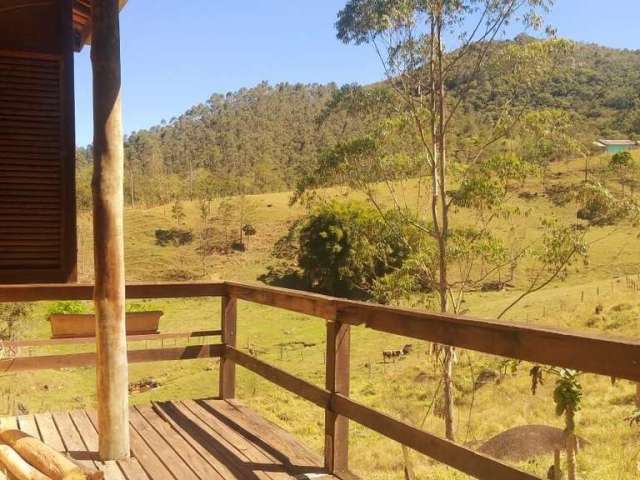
x=186 y=440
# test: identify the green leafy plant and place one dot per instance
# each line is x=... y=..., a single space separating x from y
x=67 y=306
x=136 y=307
x=567 y=396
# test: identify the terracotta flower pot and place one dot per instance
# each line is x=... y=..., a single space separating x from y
x=74 y=325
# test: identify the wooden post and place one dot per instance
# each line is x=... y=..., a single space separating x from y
x=336 y=427
x=228 y=322
x=108 y=246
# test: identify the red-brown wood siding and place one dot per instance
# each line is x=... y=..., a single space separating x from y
x=37 y=144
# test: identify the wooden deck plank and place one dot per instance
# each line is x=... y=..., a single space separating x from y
x=27 y=424
x=48 y=431
x=263 y=464
x=131 y=468
x=227 y=452
x=90 y=439
x=74 y=446
x=199 y=439
x=185 y=451
x=8 y=423
x=161 y=448
x=148 y=460
x=284 y=442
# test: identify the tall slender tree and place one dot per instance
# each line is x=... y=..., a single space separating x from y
x=409 y=38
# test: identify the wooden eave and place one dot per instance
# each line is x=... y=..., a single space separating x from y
x=82 y=22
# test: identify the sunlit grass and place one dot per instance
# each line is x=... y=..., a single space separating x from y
x=405 y=389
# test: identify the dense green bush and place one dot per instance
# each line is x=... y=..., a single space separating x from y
x=344 y=247
x=174 y=236
x=599 y=206
x=621 y=160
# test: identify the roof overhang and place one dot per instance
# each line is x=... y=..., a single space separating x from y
x=82 y=22
x=619 y=142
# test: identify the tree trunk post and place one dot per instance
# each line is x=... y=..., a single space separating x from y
x=108 y=200
x=336 y=447
x=228 y=320
x=557 y=471
x=571 y=445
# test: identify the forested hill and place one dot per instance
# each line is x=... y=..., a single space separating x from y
x=599 y=84
x=260 y=139
x=253 y=140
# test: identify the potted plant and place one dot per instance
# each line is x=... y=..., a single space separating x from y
x=72 y=320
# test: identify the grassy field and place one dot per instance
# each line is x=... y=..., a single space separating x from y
x=406 y=389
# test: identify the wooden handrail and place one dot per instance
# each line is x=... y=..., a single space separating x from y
x=617 y=357
x=84 y=291
x=314 y=304
x=605 y=355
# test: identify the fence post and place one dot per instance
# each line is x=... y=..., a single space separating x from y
x=228 y=320
x=336 y=445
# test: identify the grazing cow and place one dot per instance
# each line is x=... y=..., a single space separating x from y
x=390 y=355
x=393 y=354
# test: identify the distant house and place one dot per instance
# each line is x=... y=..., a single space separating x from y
x=615 y=146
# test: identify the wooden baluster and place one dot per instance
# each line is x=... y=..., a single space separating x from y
x=336 y=446
x=228 y=321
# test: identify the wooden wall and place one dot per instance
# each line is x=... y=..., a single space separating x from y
x=37 y=142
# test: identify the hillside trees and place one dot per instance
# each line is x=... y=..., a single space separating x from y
x=421 y=140
x=266 y=134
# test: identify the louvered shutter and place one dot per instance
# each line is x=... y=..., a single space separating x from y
x=37 y=243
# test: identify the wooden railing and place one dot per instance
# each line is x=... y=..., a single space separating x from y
x=615 y=357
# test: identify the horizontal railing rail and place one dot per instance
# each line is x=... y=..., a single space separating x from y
x=146 y=337
x=73 y=360
x=605 y=355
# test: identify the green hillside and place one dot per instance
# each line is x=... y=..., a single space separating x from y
x=262 y=139
x=406 y=388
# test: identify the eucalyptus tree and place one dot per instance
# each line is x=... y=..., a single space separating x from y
x=426 y=139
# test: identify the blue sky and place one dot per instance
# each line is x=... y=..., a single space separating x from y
x=174 y=56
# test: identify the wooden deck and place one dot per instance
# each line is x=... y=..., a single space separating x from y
x=185 y=440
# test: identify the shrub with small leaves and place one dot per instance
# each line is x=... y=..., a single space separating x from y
x=568 y=392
